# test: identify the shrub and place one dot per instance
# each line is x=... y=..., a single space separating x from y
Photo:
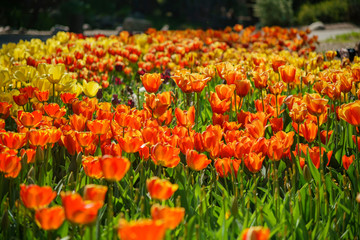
x=274 y=12
x=328 y=11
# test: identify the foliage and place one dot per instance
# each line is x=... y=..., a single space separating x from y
x=274 y=12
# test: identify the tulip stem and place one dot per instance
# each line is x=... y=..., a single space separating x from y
x=197 y=111
x=319 y=139
x=110 y=210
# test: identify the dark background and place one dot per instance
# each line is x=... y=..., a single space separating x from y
x=109 y=14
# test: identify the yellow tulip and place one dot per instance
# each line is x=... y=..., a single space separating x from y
x=55 y=73
x=90 y=88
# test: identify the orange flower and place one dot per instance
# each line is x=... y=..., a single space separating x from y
x=77 y=210
x=217 y=105
x=30 y=154
x=5 y=109
x=77 y=122
x=242 y=87
x=225 y=166
x=185 y=118
x=13 y=140
x=29 y=119
x=298 y=112
x=225 y=92
x=95 y=193
x=141 y=230
x=198 y=81
x=35 y=197
x=114 y=168
x=277 y=62
x=256 y=128
x=315 y=104
x=157 y=105
x=260 y=79
x=165 y=155
x=287 y=73
x=66 y=97
x=160 y=189
x=258 y=233
x=308 y=130
x=347 y=161
x=99 y=127
x=69 y=141
x=351 y=113
x=275 y=149
x=21 y=99
x=196 y=161
x=50 y=218
x=53 y=110
x=29 y=91
x=85 y=139
x=254 y=162
x=10 y=164
x=325 y=136
x=171 y=216
x=42 y=96
x=92 y=167
x=55 y=134
x=131 y=142
x=38 y=137
x=277 y=124
x=151 y=81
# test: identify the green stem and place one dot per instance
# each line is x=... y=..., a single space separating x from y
x=110 y=210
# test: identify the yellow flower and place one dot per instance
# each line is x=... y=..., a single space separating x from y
x=90 y=88
x=55 y=73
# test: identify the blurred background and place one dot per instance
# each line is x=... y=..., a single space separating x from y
x=135 y=15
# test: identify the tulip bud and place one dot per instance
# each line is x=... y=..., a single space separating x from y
x=306 y=173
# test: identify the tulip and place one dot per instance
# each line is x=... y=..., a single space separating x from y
x=196 y=161
x=226 y=166
x=165 y=155
x=35 y=197
x=13 y=140
x=259 y=233
x=29 y=119
x=141 y=230
x=95 y=193
x=151 y=81
x=50 y=218
x=347 y=161
x=114 y=168
x=160 y=189
x=5 y=109
x=171 y=216
x=77 y=210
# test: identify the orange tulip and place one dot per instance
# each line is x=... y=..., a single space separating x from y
x=315 y=104
x=260 y=80
x=198 y=81
x=29 y=119
x=217 y=105
x=254 y=162
x=325 y=136
x=114 y=168
x=53 y=110
x=196 y=161
x=85 y=139
x=258 y=233
x=308 y=130
x=287 y=73
x=10 y=164
x=277 y=124
x=171 y=216
x=275 y=149
x=256 y=128
x=29 y=91
x=92 y=167
x=141 y=230
x=77 y=210
x=95 y=193
x=225 y=92
x=351 y=113
x=131 y=142
x=50 y=218
x=13 y=140
x=35 y=197
x=38 y=137
x=298 y=112
x=150 y=135
x=68 y=139
x=21 y=99
x=54 y=134
x=151 y=81
x=42 y=96
x=165 y=155
x=225 y=166
x=99 y=127
x=67 y=97
x=5 y=109
x=185 y=118
x=30 y=154
x=347 y=161
x=160 y=189
x=277 y=62
x=77 y=122
x=242 y=87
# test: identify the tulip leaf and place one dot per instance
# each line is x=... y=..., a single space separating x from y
x=314 y=171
